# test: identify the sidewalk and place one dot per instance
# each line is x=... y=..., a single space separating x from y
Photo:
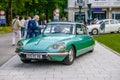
x=101 y=64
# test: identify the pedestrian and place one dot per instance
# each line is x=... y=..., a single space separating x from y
x=33 y=27
x=23 y=27
x=94 y=21
x=26 y=27
x=64 y=19
x=49 y=20
x=16 y=27
x=44 y=23
x=84 y=23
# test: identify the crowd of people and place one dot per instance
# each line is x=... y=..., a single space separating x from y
x=26 y=28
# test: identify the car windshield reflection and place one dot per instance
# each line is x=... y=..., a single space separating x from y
x=58 y=29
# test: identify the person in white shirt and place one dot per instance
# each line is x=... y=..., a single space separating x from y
x=16 y=27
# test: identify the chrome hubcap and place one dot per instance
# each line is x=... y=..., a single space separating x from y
x=71 y=55
x=94 y=31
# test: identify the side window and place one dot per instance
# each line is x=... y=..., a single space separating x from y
x=84 y=30
x=116 y=22
x=79 y=30
x=112 y=22
x=106 y=22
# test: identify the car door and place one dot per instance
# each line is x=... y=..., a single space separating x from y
x=82 y=42
x=114 y=25
x=117 y=27
x=107 y=26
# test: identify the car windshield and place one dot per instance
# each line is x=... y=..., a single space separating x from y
x=99 y=22
x=59 y=29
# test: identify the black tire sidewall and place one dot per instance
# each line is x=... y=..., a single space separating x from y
x=119 y=30
x=67 y=61
x=25 y=61
x=93 y=30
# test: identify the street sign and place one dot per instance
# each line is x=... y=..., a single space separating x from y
x=2 y=17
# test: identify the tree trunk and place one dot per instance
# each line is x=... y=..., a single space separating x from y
x=46 y=13
x=10 y=12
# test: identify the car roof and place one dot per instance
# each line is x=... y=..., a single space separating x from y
x=108 y=19
x=66 y=22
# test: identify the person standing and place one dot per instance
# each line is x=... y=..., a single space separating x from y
x=23 y=27
x=33 y=27
x=26 y=27
x=16 y=27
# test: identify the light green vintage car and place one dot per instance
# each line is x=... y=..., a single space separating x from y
x=60 y=41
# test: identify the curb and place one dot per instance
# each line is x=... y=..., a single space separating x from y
x=108 y=48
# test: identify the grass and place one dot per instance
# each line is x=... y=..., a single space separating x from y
x=110 y=40
x=5 y=30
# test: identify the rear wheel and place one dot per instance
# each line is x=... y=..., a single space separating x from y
x=94 y=31
x=118 y=30
x=25 y=61
x=70 y=57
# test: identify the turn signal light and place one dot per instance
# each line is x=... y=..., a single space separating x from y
x=62 y=51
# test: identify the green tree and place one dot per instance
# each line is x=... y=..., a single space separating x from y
x=44 y=8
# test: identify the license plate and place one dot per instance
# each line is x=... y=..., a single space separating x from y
x=34 y=56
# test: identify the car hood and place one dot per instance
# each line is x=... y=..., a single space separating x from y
x=44 y=41
x=94 y=25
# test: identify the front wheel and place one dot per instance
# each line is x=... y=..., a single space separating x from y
x=118 y=30
x=70 y=57
x=25 y=61
x=94 y=31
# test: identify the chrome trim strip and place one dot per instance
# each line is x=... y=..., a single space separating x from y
x=54 y=54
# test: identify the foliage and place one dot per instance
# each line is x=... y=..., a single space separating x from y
x=44 y=8
x=110 y=40
x=5 y=29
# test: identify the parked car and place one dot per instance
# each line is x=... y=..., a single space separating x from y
x=60 y=41
x=104 y=26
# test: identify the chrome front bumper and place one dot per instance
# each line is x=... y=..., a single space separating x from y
x=47 y=54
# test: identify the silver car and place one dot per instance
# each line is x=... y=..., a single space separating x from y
x=104 y=26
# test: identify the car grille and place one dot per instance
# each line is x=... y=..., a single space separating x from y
x=33 y=51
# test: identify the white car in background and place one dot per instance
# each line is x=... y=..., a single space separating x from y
x=104 y=26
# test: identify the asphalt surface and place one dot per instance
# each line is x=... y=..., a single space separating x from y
x=102 y=64
x=6 y=48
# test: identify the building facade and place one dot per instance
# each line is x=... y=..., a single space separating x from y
x=101 y=9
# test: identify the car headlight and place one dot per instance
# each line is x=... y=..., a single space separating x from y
x=19 y=44
x=58 y=46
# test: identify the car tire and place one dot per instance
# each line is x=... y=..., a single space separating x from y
x=25 y=61
x=94 y=32
x=70 y=58
x=91 y=50
x=118 y=30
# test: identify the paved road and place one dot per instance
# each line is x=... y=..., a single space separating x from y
x=101 y=64
x=6 y=50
